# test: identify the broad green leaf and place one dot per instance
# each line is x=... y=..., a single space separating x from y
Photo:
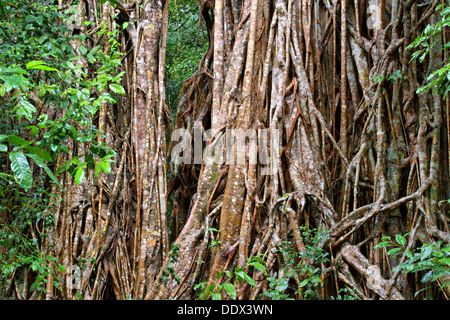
x=13 y=81
x=249 y=280
x=118 y=77
x=34 y=63
x=400 y=239
x=393 y=250
x=3 y=89
x=39 y=65
x=426 y=251
x=258 y=266
x=108 y=98
x=79 y=175
x=105 y=166
x=83 y=49
x=445 y=261
x=117 y=88
x=21 y=169
x=93 y=108
x=304 y=283
x=3 y=147
x=25 y=109
x=104 y=77
x=90 y=58
x=231 y=291
x=94 y=50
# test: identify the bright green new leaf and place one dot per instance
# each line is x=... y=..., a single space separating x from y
x=39 y=65
x=79 y=175
x=117 y=88
x=231 y=291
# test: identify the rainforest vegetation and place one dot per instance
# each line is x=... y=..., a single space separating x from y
x=127 y=160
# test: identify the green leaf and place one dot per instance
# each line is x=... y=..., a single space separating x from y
x=118 y=77
x=21 y=169
x=108 y=98
x=117 y=88
x=79 y=175
x=304 y=283
x=104 y=77
x=83 y=49
x=216 y=296
x=25 y=109
x=427 y=276
x=400 y=239
x=393 y=251
x=445 y=261
x=40 y=66
x=249 y=280
x=33 y=130
x=90 y=58
x=105 y=166
x=426 y=252
x=3 y=147
x=258 y=266
x=94 y=50
x=409 y=254
x=383 y=244
x=231 y=291
x=13 y=81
